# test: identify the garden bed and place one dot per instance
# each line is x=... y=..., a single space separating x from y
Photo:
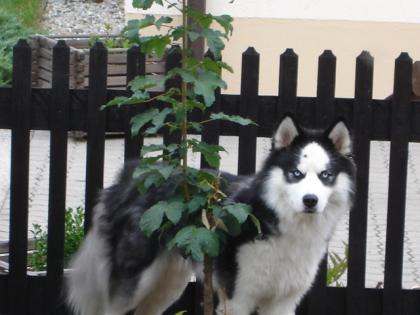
x=42 y=48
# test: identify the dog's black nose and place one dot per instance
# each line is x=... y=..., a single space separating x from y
x=310 y=201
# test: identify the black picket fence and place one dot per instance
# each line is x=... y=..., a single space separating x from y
x=60 y=110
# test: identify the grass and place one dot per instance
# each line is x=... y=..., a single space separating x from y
x=28 y=12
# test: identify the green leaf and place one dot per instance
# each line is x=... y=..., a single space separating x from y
x=232 y=224
x=163 y=20
x=143 y=83
x=178 y=33
x=152 y=218
x=145 y=4
x=196 y=203
x=155 y=45
x=132 y=30
x=196 y=242
x=116 y=101
x=193 y=36
x=233 y=118
x=157 y=147
x=165 y=170
x=182 y=238
x=225 y=66
x=139 y=120
x=174 y=211
x=195 y=104
x=209 y=151
x=186 y=75
x=205 y=85
x=153 y=179
x=240 y=211
x=196 y=126
x=159 y=121
x=214 y=41
x=212 y=65
x=226 y=22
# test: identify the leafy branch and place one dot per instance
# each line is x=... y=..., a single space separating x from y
x=198 y=216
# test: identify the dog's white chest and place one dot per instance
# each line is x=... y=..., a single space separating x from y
x=280 y=266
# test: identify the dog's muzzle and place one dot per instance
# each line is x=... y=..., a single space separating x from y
x=310 y=201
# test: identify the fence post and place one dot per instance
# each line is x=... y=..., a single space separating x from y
x=400 y=130
x=95 y=127
x=211 y=130
x=288 y=76
x=324 y=114
x=356 y=300
x=19 y=180
x=59 y=122
x=248 y=109
x=136 y=65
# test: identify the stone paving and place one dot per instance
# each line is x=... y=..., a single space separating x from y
x=38 y=194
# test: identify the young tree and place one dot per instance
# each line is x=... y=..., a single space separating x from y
x=199 y=215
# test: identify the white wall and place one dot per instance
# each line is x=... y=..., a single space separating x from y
x=353 y=10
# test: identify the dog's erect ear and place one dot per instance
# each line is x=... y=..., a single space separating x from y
x=286 y=133
x=340 y=137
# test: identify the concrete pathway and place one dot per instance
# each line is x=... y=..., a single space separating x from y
x=38 y=194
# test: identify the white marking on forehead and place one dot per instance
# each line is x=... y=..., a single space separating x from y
x=313 y=158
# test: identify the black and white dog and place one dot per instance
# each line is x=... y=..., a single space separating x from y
x=304 y=187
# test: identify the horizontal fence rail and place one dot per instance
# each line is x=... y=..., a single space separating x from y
x=60 y=109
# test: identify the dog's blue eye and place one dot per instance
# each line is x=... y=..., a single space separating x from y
x=325 y=174
x=297 y=173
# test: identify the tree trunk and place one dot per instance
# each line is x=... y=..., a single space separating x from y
x=208 y=286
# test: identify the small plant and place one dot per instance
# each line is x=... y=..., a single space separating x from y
x=199 y=216
x=337 y=266
x=73 y=237
x=109 y=41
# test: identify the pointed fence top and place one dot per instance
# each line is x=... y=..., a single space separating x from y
x=134 y=48
x=22 y=43
x=327 y=54
x=404 y=56
x=99 y=46
x=251 y=51
x=289 y=52
x=365 y=58
x=61 y=44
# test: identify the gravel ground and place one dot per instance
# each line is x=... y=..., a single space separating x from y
x=72 y=17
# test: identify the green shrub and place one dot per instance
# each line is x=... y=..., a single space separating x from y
x=28 y=12
x=337 y=266
x=73 y=237
x=10 y=32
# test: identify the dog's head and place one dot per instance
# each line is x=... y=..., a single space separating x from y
x=308 y=171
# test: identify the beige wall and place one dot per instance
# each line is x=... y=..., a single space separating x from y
x=309 y=38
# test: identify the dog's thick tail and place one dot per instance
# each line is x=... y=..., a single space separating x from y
x=87 y=284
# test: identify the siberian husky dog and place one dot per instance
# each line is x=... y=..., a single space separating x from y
x=304 y=187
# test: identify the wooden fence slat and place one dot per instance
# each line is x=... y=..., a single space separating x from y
x=135 y=66
x=288 y=76
x=95 y=127
x=173 y=60
x=356 y=301
x=324 y=114
x=400 y=129
x=248 y=109
x=59 y=115
x=211 y=130
x=19 y=180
